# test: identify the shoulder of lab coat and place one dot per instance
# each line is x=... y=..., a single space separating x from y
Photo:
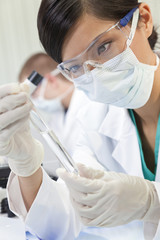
x=51 y=215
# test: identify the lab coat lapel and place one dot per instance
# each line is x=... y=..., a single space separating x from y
x=100 y=148
x=119 y=127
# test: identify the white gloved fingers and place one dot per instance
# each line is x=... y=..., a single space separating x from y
x=88 y=172
x=78 y=183
x=93 y=205
x=12 y=101
x=100 y=220
x=88 y=199
x=76 y=207
x=8 y=132
x=24 y=87
x=107 y=221
x=79 y=208
x=8 y=89
x=12 y=116
x=85 y=211
x=24 y=153
x=111 y=207
x=86 y=221
x=83 y=198
x=77 y=196
x=93 y=217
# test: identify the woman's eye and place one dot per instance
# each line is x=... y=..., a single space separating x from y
x=103 y=48
x=75 y=68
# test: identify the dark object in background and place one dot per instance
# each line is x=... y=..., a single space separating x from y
x=5 y=208
x=4 y=174
x=54 y=178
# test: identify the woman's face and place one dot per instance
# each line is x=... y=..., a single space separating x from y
x=89 y=27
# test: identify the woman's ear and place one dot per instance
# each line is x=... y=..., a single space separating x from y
x=146 y=20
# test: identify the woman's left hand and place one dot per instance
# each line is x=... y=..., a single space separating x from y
x=108 y=199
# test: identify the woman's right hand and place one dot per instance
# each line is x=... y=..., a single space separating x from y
x=24 y=153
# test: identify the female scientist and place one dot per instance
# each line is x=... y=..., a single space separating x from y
x=102 y=46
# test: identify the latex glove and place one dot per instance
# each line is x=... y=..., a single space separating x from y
x=24 y=152
x=108 y=199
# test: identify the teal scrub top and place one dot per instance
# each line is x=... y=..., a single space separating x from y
x=146 y=172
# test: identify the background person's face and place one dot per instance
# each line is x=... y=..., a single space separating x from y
x=53 y=87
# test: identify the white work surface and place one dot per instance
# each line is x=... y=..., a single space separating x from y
x=11 y=229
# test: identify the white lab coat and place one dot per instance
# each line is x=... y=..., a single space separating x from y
x=66 y=128
x=108 y=141
x=11 y=228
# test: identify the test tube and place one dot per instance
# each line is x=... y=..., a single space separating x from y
x=49 y=136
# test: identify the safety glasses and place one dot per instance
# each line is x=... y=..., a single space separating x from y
x=103 y=48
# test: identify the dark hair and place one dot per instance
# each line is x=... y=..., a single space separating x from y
x=57 y=17
x=153 y=38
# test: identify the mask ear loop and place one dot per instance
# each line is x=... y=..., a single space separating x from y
x=133 y=27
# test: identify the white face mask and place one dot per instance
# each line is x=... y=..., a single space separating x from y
x=52 y=105
x=128 y=84
x=48 y=105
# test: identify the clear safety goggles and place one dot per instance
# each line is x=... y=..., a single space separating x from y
x=102 y=49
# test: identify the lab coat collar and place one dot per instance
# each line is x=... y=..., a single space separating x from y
x=118 y=126
x=117 y=123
